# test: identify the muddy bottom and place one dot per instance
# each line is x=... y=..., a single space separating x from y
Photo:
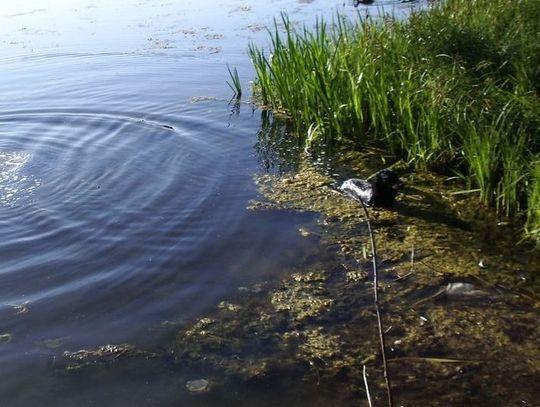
x=459 y=304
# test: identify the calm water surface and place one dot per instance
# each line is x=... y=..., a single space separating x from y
x=124 y=181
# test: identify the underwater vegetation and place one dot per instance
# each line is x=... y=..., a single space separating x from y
x=461 y=314
x=453 y=88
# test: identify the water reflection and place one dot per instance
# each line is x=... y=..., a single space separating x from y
x=277 y=150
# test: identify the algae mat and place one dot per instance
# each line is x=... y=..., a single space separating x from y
x=460 y=311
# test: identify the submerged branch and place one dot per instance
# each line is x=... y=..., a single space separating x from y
x=377 y=305
x=366 y=385
x=432 y=360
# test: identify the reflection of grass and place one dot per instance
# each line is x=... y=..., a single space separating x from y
x=453 y=88
x=235 y=83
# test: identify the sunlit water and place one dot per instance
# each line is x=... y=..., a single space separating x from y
x=124 y=181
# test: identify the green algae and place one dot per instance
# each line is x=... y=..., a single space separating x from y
x=54 y=343
x=453 y=239
x=450 y=232
x=106 y=354
x=302 y=296
x=317 y=323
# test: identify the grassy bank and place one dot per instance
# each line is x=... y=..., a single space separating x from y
x=454 y=88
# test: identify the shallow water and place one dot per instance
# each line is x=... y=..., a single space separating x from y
x=124 y=180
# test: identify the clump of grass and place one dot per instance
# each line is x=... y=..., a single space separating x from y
x=453 y=88
x=533 y=218
x=235 y=83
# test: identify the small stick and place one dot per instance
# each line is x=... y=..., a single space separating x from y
x=432 y=360
x=438 y=293
x=403 y=277
x=377 y=306
x=412 y=258
x=425 y=263
x=367 y=387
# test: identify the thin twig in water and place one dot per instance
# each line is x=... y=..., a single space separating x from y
x=367 y=387
x=377 y=305
x=412 y=258
x=403 y=277
x=431 y=268
x=438 y=293
x=433 y=360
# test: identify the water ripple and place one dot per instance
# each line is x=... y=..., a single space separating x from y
x=100 y=184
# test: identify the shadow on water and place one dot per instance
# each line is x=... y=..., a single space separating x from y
x=435 y=212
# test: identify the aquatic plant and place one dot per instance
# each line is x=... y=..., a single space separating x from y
x=454 y=88
x=235 y=83
x=533 y=218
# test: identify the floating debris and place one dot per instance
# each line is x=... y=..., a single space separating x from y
x=105 y=354
x=198 y=386
x=226 y=305
x=21 y=308
x=5 y=338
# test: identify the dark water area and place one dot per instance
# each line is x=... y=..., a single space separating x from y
x=125 y=176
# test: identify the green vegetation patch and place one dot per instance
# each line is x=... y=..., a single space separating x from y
x=454 y=88
x=315 y=327
x=317 y=324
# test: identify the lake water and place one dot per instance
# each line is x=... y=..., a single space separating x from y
x=124 y=180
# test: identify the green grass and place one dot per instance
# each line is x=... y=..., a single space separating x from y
x=235 y=84
x=454 y=88
x=533 y=220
